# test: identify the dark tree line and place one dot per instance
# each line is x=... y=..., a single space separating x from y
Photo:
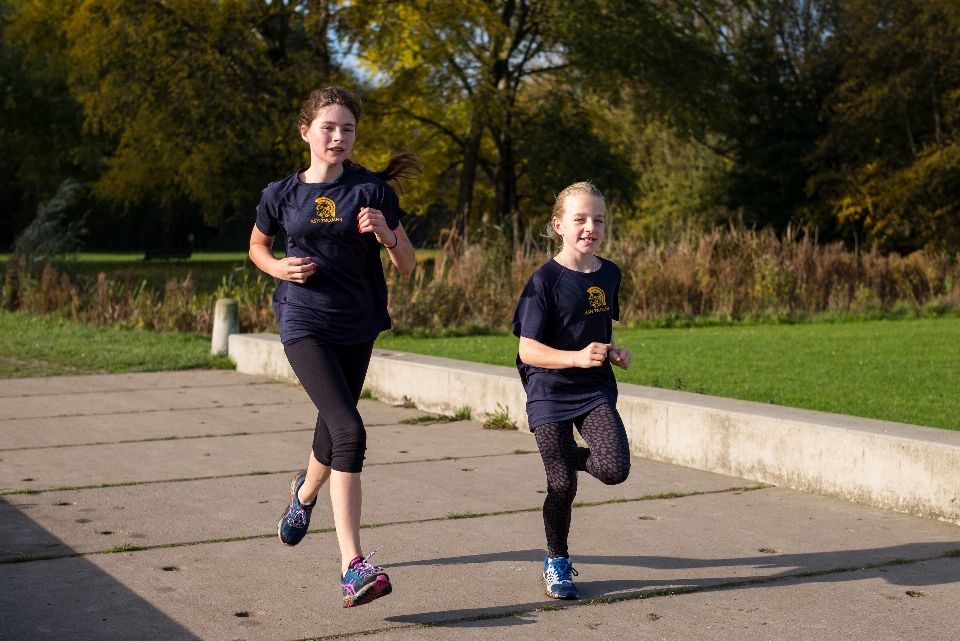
x=837 y=117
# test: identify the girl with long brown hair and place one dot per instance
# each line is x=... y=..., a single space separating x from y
x=331 y=303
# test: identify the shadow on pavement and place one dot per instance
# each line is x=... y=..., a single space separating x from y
x=68 y=598
x=822 y=567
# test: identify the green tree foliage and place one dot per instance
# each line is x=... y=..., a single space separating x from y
x=196 y=100
x=840 y=117
x=890 y=164
x=512 y=88
x=42 y=142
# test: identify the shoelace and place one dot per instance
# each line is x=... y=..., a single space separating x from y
x=299 y=518
x=365 y=569
x=559 y=570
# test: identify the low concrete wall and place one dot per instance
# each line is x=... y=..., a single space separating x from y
x=890 y=465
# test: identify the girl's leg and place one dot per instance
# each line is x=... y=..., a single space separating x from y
x=332 y=376
x=559 y=453
x=608 y=459
x=317 y=475
x=346 y=497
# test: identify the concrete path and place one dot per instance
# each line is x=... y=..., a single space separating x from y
x=144 y=506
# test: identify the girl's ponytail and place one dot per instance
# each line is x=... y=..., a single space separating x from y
x=404 y=165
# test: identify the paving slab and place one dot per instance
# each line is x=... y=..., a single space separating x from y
x=867 y=605
x=75 y=521
x=163 y=460
x=183 y=423
x=98 y=383
x=146 y=400
x=444 y=570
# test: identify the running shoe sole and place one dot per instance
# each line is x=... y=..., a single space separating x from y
x=370 y=592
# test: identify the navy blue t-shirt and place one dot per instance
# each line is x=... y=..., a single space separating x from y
x=345 y=300
x=567 y=310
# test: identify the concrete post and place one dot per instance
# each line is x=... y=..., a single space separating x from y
x=226 y=321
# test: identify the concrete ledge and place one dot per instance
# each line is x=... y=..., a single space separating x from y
x=890 y=465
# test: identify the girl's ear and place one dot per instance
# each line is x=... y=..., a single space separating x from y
x=303 y=132
x=555 y=222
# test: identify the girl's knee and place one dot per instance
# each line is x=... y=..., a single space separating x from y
x=563 y=487
x=614 y=474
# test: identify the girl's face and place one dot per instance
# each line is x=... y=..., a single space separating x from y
x=582 y=224
x=331 y=134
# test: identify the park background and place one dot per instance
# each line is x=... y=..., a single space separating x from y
x=782 y=178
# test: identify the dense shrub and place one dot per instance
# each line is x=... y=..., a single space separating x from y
x=728 y=273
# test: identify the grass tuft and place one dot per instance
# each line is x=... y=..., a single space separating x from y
x=500 y=420
x=37 y=557
x=494 y=615
x=124 y=547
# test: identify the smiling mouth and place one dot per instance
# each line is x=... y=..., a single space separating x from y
x=336 y=150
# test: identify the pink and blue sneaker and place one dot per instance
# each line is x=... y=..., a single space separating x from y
x=363 y=582
x=557 y=576
x=295 y=521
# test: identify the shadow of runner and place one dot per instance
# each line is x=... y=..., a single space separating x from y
x=68 y=598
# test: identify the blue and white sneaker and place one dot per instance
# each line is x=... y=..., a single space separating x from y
x=295 y=521
x=557 y=572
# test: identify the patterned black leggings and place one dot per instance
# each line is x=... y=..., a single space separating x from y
x=607 y=460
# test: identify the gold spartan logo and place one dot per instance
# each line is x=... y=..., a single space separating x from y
x=326 y=210
x=598 y=300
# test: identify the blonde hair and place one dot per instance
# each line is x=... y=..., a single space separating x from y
x=584 y=188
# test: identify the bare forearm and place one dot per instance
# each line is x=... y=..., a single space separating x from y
x=537 y=354
x=262 y=257
x=401 y=251
x=404 y=256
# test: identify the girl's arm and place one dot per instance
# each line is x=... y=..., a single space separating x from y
x=296 y=270
x=537 y=354
x=395 y=240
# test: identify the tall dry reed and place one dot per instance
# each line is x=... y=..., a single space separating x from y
x=730 y=273
x=727 y=273
x=130 y=304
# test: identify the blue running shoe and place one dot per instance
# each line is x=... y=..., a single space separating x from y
x=557 y=572
x=364 y=582
x=295 y=521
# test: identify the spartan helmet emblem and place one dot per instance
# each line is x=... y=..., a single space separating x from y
x=598 y=300
x=326 y=208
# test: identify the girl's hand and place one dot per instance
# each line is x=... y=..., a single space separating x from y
x=296 y=270
x=620 y=357
x=592 y=355
x=371 y=219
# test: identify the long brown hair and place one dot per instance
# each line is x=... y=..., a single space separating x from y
x=404 y=165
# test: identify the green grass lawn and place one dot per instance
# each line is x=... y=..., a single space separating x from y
x=47 y=346
x=907 y=371
x=207 y=269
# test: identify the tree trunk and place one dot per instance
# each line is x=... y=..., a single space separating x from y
x=319 y=18
x=936 y=113
x=906 y=121
x=468 y=174
x=506 y=178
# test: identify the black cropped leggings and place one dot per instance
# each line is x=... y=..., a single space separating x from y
x=332 y=376
x=607 y=459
